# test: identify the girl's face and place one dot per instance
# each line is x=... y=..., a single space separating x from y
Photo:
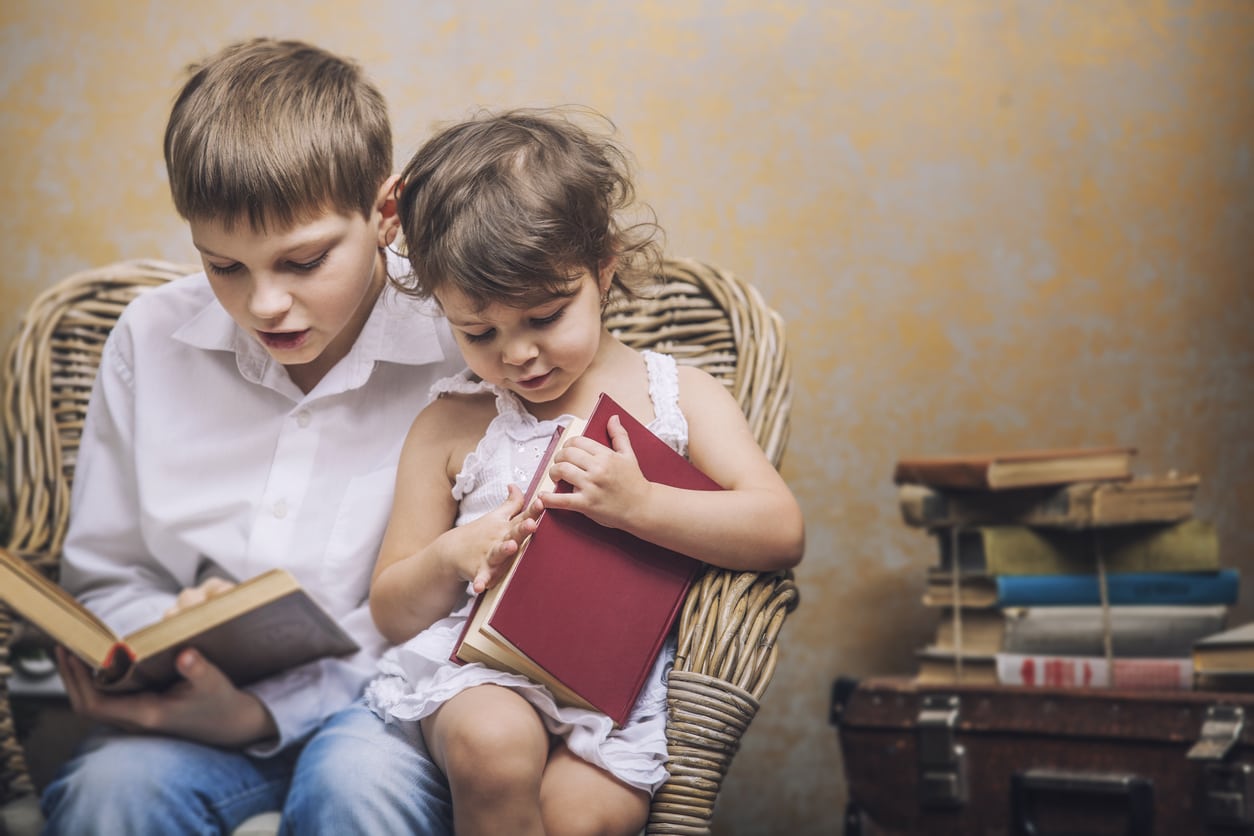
x=536 y=352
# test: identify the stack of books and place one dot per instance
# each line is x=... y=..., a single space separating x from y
x=1061 y=568
x=1224 y=661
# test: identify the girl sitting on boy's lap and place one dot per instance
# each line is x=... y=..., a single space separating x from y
x=514 y=224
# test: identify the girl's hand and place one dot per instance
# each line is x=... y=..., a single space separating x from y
x=492 y=541
x=607 y=481
x=193 y=595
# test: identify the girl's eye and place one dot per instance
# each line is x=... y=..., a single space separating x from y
x=479 y=338
x=541 y=322
x=308 y=266
x=223 y=271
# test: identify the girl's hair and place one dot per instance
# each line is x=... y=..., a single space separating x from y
x=509 y=207
x=273 y=132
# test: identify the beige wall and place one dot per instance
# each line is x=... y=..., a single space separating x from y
x=988 y=224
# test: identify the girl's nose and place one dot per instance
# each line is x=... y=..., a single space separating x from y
x=519 y=352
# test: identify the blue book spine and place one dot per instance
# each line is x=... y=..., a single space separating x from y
x=1127 y=588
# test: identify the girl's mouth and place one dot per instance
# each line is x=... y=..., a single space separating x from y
x=537 y=381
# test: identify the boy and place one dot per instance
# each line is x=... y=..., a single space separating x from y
x=244 y=418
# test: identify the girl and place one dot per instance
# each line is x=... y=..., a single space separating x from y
x=515 y=225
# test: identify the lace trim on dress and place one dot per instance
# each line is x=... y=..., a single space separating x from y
x=512 y=420
x=669 y=423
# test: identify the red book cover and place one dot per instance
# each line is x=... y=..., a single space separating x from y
x=593 y=605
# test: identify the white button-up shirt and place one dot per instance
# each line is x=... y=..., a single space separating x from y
x=201 y=457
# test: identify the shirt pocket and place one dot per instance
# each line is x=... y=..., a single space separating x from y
x=355 y=538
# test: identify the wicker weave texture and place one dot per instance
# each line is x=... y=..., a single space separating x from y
x=703 y=316
x=49 y=370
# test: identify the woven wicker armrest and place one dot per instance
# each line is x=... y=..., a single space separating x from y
x=725 y=659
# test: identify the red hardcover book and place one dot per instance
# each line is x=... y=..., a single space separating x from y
x=585 y=609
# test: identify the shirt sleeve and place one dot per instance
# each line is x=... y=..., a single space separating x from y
x=105 y=563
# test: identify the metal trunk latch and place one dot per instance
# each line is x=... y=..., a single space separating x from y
x=942 y=761
x=1227 y=788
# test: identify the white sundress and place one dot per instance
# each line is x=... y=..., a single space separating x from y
x=417 y=677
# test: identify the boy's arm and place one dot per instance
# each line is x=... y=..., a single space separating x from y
x=754 y=524
x=105 y=563
x=107 y=566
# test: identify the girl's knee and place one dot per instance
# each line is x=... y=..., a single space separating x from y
x=587 y=818
x=495 y=753
x=489 y=740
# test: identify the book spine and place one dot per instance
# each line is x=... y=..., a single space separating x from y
x=1128 y=588
x=1144 y=631
x=924 y=507
x=1190 y=546
x=953 y=473
x=1161 y=674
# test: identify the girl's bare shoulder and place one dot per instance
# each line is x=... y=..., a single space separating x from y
x=454 y=416
x=697 y=383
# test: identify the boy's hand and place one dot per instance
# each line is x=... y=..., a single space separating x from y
x=193 y=595
x=203 y=706
x=607 y=481
x=492 y=541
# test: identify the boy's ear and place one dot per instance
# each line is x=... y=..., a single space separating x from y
x=385 y=203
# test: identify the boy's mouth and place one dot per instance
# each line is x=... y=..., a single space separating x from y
x=283 y=340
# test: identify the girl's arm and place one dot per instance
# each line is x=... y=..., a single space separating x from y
x=424 y=562
x=755 y=524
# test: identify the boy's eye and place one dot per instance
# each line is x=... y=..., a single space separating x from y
x=223 y=270
x=479 y=338
x=308 y=266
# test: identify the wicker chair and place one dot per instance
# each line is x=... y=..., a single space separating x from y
x=729 y=626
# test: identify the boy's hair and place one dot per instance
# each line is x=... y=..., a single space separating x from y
x=509 y=207
x=275 y=132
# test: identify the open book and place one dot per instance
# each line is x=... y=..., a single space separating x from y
x=257 y=628
x=585 y=609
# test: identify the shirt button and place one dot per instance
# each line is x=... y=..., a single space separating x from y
x=303 y=418
x=280 y=509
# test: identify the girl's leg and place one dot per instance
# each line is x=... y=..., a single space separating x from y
x=580 y=799
x=123 y=783
x=359 y=776
x=492 y=747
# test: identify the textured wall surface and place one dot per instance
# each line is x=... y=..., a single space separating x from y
x=988 y=224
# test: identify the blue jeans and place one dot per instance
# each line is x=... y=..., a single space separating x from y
x=354 y=775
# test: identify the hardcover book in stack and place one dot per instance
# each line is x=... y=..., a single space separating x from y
x=1063 y=568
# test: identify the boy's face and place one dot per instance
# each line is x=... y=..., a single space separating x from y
x=304 y=292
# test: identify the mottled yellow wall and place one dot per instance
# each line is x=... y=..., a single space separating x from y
x=989 y=224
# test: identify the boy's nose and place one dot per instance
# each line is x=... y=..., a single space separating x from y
x=269 y=300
